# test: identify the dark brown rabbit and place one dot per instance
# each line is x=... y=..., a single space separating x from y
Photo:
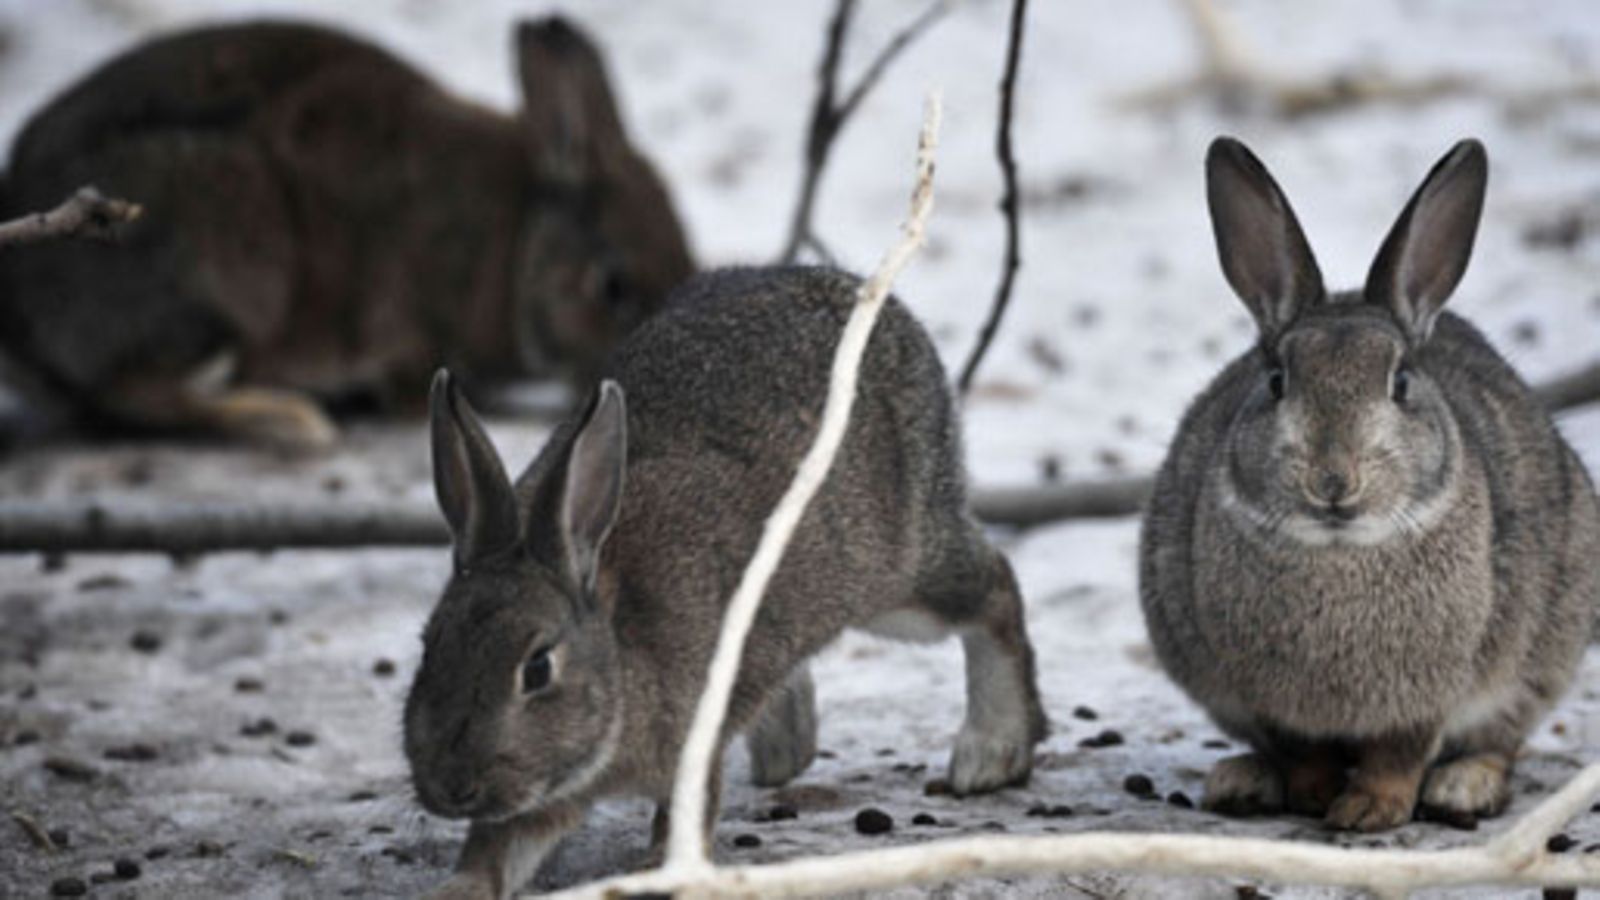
x=322 y=221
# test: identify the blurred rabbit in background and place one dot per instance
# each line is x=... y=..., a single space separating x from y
x=323 y=223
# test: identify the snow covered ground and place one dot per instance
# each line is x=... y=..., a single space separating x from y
x=1120 y=316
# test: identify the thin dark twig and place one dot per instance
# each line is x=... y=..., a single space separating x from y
x=820 y=131
x=876 y=68
x=1008 y=199
x=86 y=213
x=828 y=117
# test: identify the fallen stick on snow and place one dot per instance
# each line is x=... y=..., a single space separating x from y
x=1516 y=857
x=86 y=213
x=164 y=526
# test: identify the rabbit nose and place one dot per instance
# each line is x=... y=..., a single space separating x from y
x=462 y=796
x=1332 y=487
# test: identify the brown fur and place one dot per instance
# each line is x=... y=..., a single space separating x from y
x=320 y=217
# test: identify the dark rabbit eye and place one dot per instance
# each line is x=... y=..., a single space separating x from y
x=537 y=671
x=1275 y=382
x=1402 y=384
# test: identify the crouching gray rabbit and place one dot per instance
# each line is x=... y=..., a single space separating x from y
x=323 y=222
x=567 y=654
x=1369 y=554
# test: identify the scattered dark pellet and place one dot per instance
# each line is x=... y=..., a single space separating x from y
x=1139 y=786
x=885 y=751
x=321 y=834
x=145 y=641
x=127 y=869
x=363 y=796
x=278 y=617
x=1560 y=893
x=70 y=769
x=52 y=561
x=60 y=837
x=873 y=821
x=383 y=668
x=781 y=812
x=923 y=819
x=23 y=738
x=937 y=787
x=1107 y=738
x=1560 y=843
x=1084 y=713
x=300 y=739
x=68 y=887
x=333 y=484
x=746 y=840
x=1215 y=744
x=399 y=855
x=827 y=754
x=1050 y=468
x=1180 y=800
x=1525 y=332
x=132 y=753
x=249 y=685
x=208 y=848
x=1048 y=811
x=381 y=829
x=259 y=728
x=102 y=583
x=906 y=768
x=155 y=853
x=28 y=692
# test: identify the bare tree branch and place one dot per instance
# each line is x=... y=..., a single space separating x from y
x=1008 y=199
x=828 y=117
x=1232 y=75
x=85 y=214
x=1572 y=390
x=127 y=526
x=1516 y=857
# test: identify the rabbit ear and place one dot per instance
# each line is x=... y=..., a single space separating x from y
x=1264 y=253
x=1426 y=253
x=592 y=494
x=568 y=109
x=468 y=479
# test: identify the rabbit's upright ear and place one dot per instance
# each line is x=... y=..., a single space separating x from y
x=571 y=118
x=1264 y=253
x=470 y=482
x=1426 y=253
x=592 y=494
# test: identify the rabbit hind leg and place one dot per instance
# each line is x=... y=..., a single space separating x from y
x=783 y=740
x=1004 y=717
x=273 y=416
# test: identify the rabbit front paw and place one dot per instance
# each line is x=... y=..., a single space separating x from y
x=1245 y=785
x=1373 y=805
x=1470 y=786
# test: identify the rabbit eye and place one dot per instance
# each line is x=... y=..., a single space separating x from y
x=1275 y=382
x=1401 y=387
x=537 y=671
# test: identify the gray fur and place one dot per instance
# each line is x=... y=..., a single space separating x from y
x=1338 y=575
x=723 y=392
x=322 y=220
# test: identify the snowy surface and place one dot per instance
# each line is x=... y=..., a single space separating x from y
x=1120 y=316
